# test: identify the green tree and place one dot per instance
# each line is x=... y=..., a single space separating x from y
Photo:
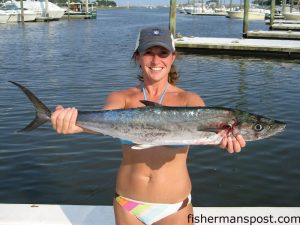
x=106 y=3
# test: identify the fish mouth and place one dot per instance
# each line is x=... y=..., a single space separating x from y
x=280 y=125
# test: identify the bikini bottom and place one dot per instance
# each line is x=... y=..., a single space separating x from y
x=149 y=213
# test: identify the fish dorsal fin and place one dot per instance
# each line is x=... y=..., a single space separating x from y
x=149 y=103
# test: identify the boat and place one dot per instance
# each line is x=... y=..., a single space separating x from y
x=50 y=11
x=253 y=14
x=291 y=15
x=4 y=16
x=15 y=13
x=186 y=9
x=77 y=10
x=198 y=8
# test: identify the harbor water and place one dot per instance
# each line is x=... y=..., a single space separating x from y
x=78 y=63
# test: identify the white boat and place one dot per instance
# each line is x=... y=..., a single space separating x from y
x=4 y=16
x=77 y=10
x=15 y=13
x=254 y=14
x=187 y=9
x=53 y=12
x=291 y=15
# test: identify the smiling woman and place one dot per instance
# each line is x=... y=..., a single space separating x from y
x=145 y=192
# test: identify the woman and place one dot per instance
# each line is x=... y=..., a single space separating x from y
x=153 y=185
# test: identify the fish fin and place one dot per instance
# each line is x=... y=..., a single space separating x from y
x=42 y=115
x=142 y=146
x=150 y=103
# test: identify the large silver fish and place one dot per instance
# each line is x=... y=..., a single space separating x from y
x=156 y=125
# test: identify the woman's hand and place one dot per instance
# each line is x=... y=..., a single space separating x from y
x=233 y=144
x=64 y=120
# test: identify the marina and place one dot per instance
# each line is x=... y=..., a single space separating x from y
x=78 y=63
x=241 y=46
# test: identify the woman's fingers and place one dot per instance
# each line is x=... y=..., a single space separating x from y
x=64 y=120
x=229 y=145
x=232 y=143
x=241 y=140
x=60 y=121
x=236 y=145
x=54 y=116
x=67 y=121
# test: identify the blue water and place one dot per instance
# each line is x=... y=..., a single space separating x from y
x=78 y=63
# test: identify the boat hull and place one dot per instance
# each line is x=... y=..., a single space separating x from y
x=4 y=17
x=80 y=15
x=54 y=12
x=251 y=15
x=16 y=17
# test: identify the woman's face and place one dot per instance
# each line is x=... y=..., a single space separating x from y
x=156 y=63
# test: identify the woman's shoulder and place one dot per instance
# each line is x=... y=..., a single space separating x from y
x=117 y=99
x=189 y=97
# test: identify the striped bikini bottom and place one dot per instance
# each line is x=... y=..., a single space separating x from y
x=149 y=213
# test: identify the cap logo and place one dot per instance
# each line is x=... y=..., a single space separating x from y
x=156 y=32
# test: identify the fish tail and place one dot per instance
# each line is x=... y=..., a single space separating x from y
x=43 y=114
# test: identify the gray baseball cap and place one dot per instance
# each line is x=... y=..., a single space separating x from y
x=154 y=36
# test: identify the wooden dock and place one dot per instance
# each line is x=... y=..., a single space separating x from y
x=209 y=14
x=285 y=35
x=283 y=22
x=285 y=26
x=239 y=46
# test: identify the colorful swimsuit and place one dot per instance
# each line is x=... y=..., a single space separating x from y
x=149 y=213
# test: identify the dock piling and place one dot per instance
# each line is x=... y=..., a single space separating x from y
x=22 y=11
x=245 y=21
x=172 y=17
x=272 y=13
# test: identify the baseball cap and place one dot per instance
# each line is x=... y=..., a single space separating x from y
x=154 y=36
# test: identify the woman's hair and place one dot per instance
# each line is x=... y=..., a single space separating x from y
x=173 y=76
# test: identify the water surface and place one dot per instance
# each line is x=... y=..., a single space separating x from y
x=78 y=63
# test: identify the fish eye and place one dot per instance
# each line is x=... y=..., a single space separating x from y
x=258 y=127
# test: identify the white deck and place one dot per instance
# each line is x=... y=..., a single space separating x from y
x=285 y=26
x=274 y=34
x=282 y=21
x=239 y=44
x=26 y=214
